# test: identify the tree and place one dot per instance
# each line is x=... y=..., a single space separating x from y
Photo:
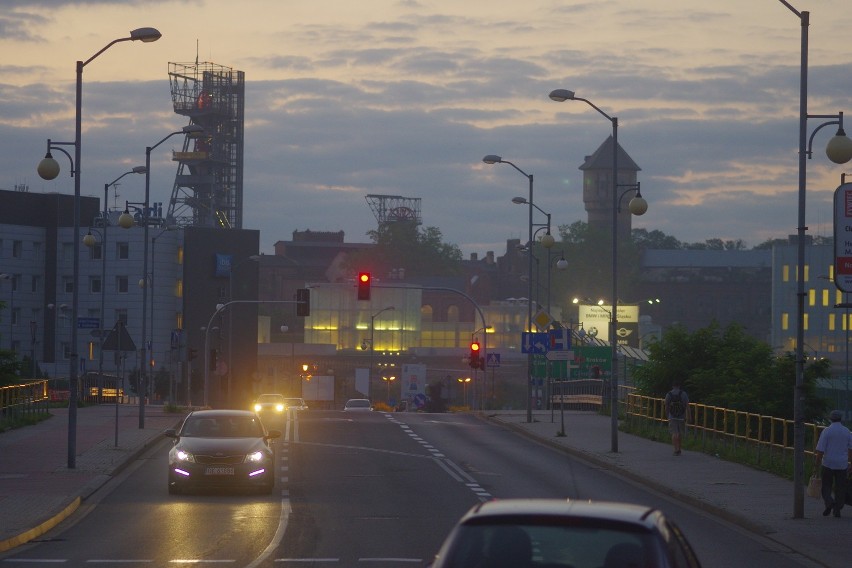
x=10 y=368
x=404 y=245
x=655 y=239
x=729 y=369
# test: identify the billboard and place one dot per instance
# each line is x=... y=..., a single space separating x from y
x=843 y=237
x=596 y=322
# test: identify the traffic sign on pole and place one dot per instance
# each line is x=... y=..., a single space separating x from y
x=559 y=355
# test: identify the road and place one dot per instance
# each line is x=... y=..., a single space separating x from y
x=355 y=489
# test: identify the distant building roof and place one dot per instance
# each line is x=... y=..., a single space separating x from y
x=658 y=258
x=601 y=159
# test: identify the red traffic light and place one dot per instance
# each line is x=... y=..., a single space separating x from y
x=364 y=281
x=474 y=347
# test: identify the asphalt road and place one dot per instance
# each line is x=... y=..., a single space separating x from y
x=357 y=489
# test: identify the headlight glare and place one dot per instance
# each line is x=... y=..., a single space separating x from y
x=185 y=456
x=257 y=407
x=279 y=407
x=255 y=457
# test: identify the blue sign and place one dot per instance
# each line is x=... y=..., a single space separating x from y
x=492 y=360
x=535 y=343
x=223 y=265
x=560 y=339
x=88 y=323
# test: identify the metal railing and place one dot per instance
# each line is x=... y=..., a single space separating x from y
x=765 y=439
x=20 y=400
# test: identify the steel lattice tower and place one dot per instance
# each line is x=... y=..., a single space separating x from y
x=395 y=208
x=208 y=190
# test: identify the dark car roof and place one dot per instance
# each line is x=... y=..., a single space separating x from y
x=601 y=510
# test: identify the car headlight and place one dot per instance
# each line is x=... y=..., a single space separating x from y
x=258 y=407
x=182 y=455
x=279 y=407
x=255 y=457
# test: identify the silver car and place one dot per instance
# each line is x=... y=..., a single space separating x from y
x=527 y=533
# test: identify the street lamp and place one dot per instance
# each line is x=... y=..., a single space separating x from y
x=48 y=169
x=637 y=206
x=839 y=151
x=372 y=344
x=493 y=159
x=90 y=241
x=189 y=129
x=388 y=381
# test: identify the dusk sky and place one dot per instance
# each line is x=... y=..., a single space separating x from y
x=348 y=98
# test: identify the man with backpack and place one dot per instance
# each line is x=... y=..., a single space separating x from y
x=677 y=410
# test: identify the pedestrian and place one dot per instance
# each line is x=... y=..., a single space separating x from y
x=677 y=410
x=834 y=459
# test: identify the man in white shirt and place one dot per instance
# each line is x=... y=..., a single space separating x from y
x=834 y=456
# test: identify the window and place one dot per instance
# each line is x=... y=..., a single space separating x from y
x=38 y=251
x=121 y=315
x=68 y=284
x=179 y=288
x=67 y=252
x=95 y=285
x=121 y=284
x=179 y=320
x=66 y=350
x=96 y=252
x=16 y=316
x=35 y=284
x=17 y=249
x=122 y=251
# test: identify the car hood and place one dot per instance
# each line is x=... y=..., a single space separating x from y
x=221 y=446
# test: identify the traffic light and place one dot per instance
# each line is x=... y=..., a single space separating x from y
x=364 y=281
x=303 y=299
x=475 y=355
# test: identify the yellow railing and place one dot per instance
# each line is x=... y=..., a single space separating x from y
x=767 y=437
x=16 y=400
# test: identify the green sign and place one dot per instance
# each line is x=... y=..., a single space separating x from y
x=589 y=356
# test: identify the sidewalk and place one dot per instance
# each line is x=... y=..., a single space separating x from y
x=758 y=501
x=37 y=490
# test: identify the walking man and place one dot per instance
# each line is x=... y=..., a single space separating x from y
x=677 y=409
x=834 y=457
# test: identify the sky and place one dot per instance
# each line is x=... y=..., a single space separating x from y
x=405 y=97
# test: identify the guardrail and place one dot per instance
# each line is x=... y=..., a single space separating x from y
x=766 y=439
x=22 y=399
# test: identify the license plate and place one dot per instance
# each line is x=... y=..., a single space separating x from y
x=219 y=471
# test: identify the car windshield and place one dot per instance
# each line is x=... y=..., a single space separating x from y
x=358 y=404
x=569 y=545
x=222 y=427
x=294 y=401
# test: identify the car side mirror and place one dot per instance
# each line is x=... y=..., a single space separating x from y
x=171 y=433
x=273 y=434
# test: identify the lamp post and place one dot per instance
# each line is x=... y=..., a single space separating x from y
x=637 y=206
x=372 y=343
x=493 y=159
x=839 y=151
x=189 y=129
x=388 y=381
x=48 y=169
x=90 y=241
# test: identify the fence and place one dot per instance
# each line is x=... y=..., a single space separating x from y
x=766 y=439
x=20 y=400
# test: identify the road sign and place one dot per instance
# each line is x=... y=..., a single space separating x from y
x=88 y=323
x=842 y=242
x=560 y=339
x=492 y=360
x=559 y=355
x=534 y=343
x=542 y=319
